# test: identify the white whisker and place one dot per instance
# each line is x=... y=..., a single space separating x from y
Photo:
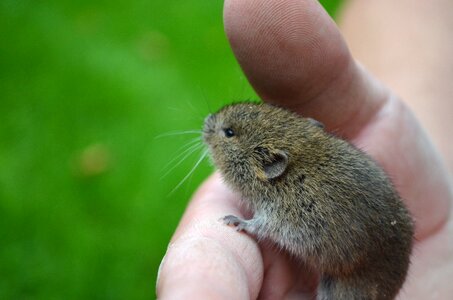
x=192 y=149
x=177 y=132
x=203 y=155
x=188 y=146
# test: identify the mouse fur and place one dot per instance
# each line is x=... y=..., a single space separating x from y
x=316 y=196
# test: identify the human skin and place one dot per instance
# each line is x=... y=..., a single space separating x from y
x=294 y=55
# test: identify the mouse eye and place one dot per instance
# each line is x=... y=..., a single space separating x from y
x=228 y=132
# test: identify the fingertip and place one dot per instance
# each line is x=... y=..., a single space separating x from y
x=286 y=48
x=200 y=268
x=206 y=258
x=206 y=261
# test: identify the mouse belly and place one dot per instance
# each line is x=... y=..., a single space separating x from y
x=338 y=249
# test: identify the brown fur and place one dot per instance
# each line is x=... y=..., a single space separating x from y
x=316 y=196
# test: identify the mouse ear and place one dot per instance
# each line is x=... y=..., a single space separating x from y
x=277 y=165
x=315 y=123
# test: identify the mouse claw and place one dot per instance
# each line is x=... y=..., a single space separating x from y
x=238 y=223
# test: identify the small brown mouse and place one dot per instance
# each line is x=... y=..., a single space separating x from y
x=316 y=196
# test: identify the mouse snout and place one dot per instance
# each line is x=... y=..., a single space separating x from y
x=209 y=126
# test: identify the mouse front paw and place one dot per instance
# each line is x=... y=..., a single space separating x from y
x=238 y=223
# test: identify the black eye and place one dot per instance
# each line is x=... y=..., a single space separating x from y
x=228 y=132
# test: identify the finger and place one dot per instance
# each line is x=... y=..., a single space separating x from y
x=294 y=55
x=279 y=277
x=205 y=258
x=419 y=64
x=285 y=277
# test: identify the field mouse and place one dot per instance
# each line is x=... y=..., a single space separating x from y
x=314 y=195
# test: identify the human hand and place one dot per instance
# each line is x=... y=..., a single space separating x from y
x=294 y=56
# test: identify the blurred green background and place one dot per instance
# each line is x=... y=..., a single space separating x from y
x=85 y=87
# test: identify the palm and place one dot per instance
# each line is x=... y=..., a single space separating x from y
x=300 y=61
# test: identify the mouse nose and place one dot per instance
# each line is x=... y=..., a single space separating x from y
x=209 y=125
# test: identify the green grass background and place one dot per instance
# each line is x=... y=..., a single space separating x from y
x=85 y=86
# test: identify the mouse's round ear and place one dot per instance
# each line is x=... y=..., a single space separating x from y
x=277 y=164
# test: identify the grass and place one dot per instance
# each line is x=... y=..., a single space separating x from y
x=85 y=87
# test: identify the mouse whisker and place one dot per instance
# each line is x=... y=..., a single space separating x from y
x=177 y=132
x=193 y=149
x=194 y=145
x=183 y=148
x=203 y=156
